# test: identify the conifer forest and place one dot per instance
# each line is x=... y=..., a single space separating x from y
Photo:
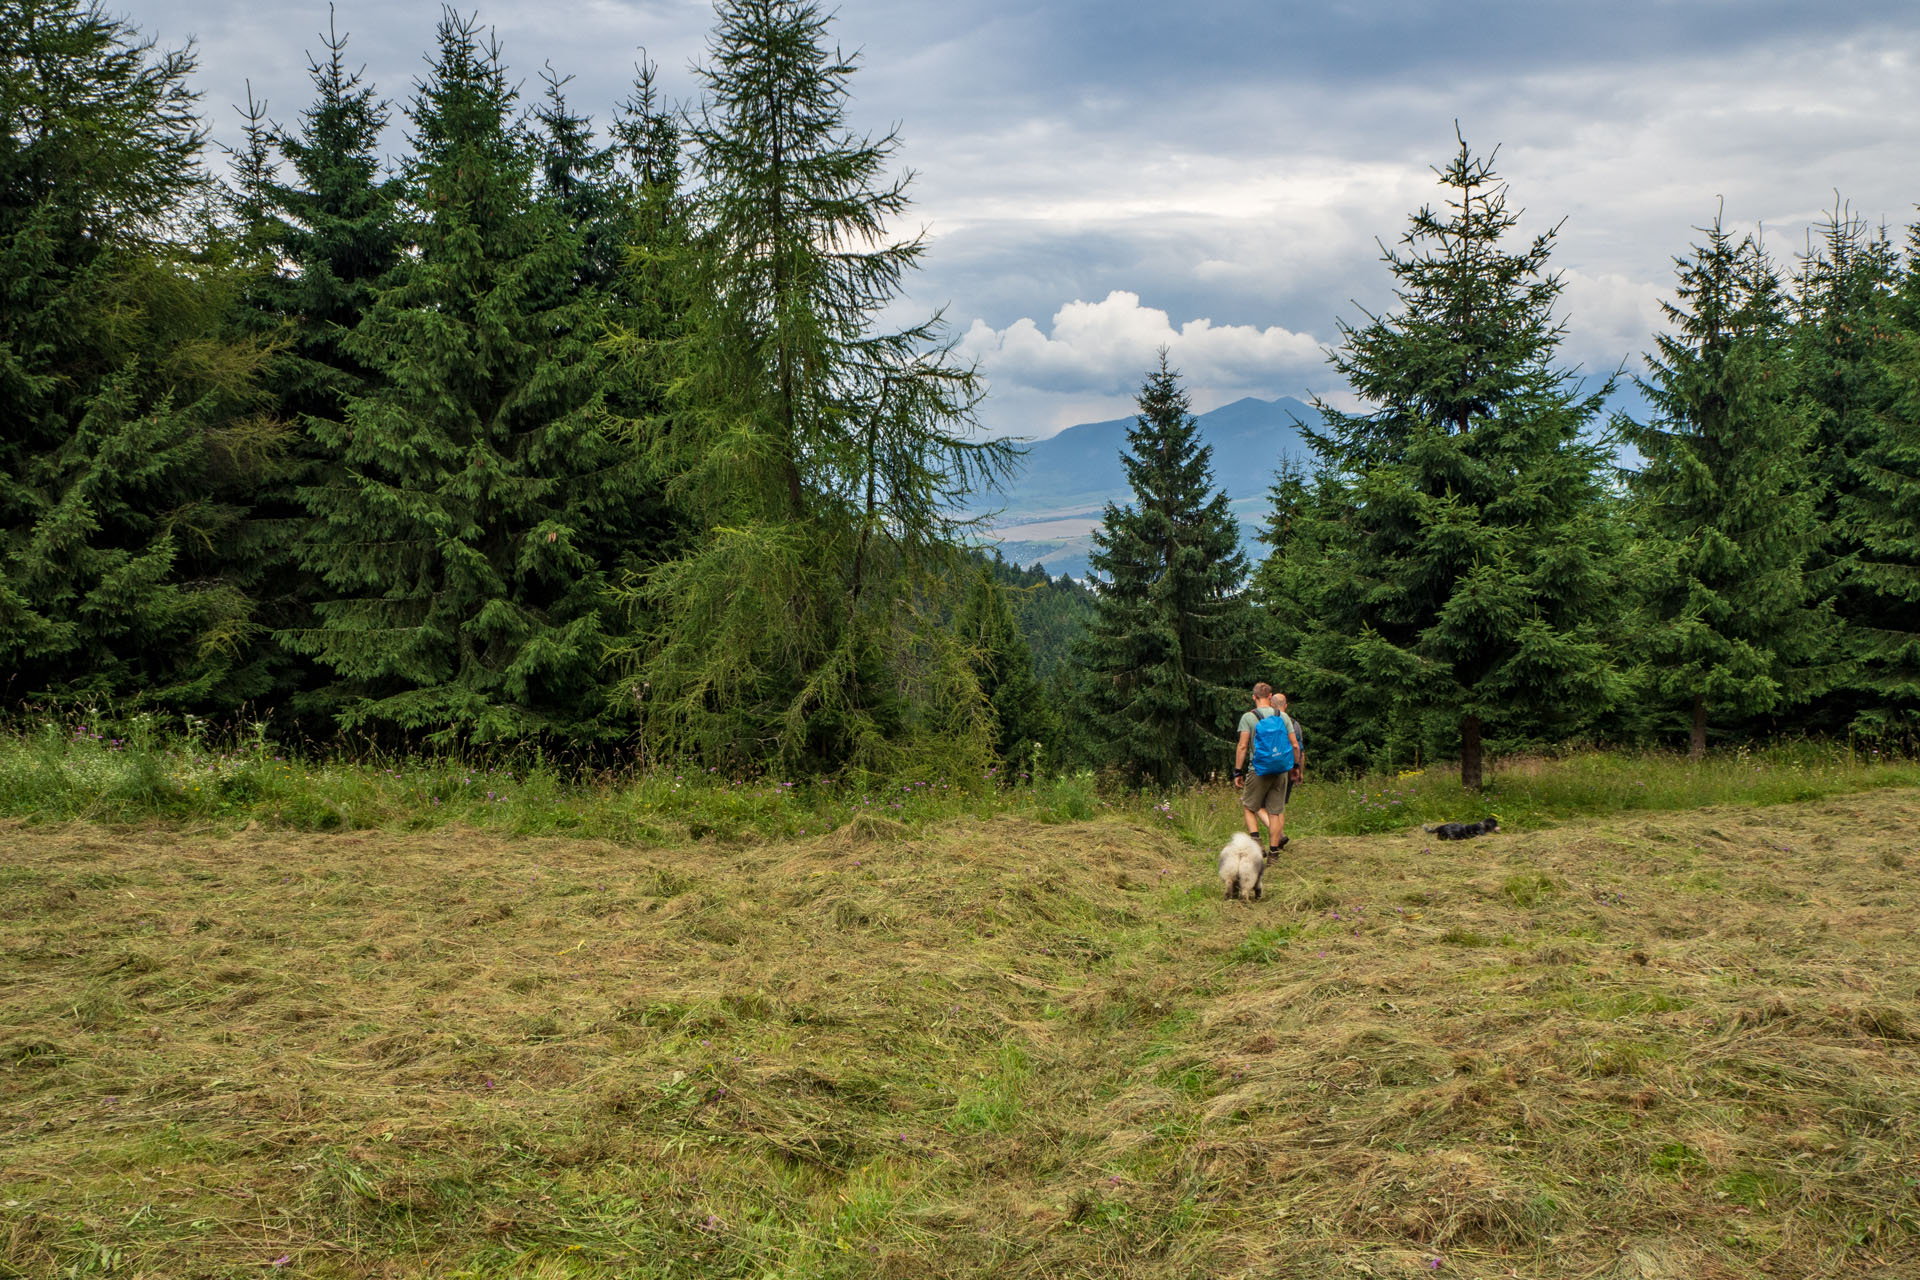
x=592 y=428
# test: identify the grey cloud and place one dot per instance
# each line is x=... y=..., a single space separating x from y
x=1237 y=161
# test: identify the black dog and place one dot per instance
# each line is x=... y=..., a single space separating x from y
x=1463 y=830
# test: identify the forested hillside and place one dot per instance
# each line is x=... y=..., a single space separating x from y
x=1048 y=511
x=591 y=425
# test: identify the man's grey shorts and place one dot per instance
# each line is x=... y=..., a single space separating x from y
x=1264 y=791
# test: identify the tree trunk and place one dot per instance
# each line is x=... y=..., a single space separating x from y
x=1698 y=749
x=1470 y=754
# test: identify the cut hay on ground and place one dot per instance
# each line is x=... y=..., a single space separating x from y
x=1660 y=1046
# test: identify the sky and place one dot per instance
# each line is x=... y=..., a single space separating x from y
x=1102 y=178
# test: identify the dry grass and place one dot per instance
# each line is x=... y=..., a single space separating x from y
x=1659 y=1046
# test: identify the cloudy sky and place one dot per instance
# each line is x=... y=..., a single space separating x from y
x=1104 y=177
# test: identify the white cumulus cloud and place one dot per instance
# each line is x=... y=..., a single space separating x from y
x=1096 y=354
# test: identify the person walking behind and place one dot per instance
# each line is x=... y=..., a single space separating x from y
x=1294 y=775
x=1261 y=762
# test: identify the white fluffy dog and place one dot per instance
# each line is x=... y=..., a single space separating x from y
x=1242 y=864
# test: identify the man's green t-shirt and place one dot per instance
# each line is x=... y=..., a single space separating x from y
x=1253 y=718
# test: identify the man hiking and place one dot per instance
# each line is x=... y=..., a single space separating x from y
x=1261 y=764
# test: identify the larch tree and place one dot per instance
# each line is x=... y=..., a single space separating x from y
x=1477 y=588
x=820 y=454
x=1723 y=505
x=1170 y=633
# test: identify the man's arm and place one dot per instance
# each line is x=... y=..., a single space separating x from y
x=1240 y=752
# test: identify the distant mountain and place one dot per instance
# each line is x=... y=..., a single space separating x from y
x=1049 y=511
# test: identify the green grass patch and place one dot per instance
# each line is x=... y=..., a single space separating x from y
x=102 y=769
x=1677 y=1159
x=1264 y=944
x=992 y=1103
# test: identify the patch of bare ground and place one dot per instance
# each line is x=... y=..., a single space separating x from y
x=1658 y=1046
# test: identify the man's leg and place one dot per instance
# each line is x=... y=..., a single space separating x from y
x=1249 y=804
x=1277 y=827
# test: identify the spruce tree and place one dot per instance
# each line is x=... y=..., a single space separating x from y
x=1171 y=633
x=1723 y=504
x=130 y=424
x=647 y=299
x=1291 y=589
x=579 y=176
x=1002 y=663
x=335 y=232
x=320 y=239
x=1843 y=300
x=820 y=455
x=1476 y=589
x=1879 y=518
x=464 y=545
x=1845 y=357
x=658 y=270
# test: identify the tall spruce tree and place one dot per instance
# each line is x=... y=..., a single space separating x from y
x=319 y=240
x=821 y=455
x=1476 y=588
x=465 y=543
x=658 y=269
x=1723 y=503
x=335 y=232
x=130 y=416
x=1845 y=352
x=1879 y=518
x=579 y=176
x=1171 y=630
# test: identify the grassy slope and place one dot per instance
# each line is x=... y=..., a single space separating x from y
x=1656 y=1045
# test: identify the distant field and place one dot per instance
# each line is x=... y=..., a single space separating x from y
x=1654 y=1044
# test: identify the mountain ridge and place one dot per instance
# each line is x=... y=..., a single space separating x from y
x=1046 y=515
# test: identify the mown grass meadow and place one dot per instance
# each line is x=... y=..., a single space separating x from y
x=1674 y=1042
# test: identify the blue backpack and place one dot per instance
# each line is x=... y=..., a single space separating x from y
x=1272 y=746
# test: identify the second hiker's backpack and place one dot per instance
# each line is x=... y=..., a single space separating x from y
x=1272 y=746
